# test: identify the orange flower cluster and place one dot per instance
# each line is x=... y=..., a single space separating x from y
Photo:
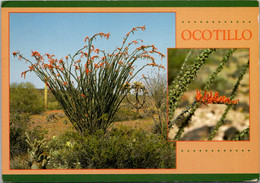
x=156 y=65
x=88 y=71
x=209 y=98
x=147 y=57
x=23 y=74
x=83 y=95
x=101 y=34
x=83 y=54
x=36 y=54
x=141 y=47
x=135 y=42
x=49 y=56
x=135 y=29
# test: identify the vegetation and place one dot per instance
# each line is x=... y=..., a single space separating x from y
x=25 y=100
x=119 y=148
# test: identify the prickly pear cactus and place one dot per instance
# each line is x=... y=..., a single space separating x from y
x=37 y=155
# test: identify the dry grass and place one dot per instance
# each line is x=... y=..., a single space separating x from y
x=57 y=125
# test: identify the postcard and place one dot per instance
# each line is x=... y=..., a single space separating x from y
x=130 y=91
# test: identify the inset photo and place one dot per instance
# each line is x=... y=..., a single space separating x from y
x=208 y=94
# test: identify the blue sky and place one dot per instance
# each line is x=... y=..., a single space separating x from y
x=64 y=33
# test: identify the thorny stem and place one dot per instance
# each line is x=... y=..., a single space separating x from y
x=241 y=135
x=232 y=96
x=181 y=85
x=193 y=107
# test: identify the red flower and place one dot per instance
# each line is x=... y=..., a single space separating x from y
x=50 y=66
x=96 y=65
x=162 y=66
x=49 y=56
x=83 y=95
x=88 y=71
x=135 y=42
x=92 y=58
x=14 y=53
x=208 y=98
x=154 y=48
x=86 y=54
x=65 y=83
x=23 y=74
x=96 y=51
x=86 y=38
x=143 y=28
x=76 y=67
x=36 y=54
x=152 y=64
x=108 y=35
x=31 y=68
x=101 y=34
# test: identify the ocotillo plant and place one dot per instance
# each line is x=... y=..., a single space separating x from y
x=89 y=84
x=183 y=119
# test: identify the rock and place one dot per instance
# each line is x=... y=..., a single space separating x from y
x=230 y=133
x=198 y=134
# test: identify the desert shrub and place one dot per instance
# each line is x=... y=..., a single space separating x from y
x=25 y=98
x=54 y=105
x=126 y=114
x=19 y=162
x=18 y=127
x=118 y=148
x=156 y=106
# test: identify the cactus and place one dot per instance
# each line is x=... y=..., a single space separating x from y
x=37 y=155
